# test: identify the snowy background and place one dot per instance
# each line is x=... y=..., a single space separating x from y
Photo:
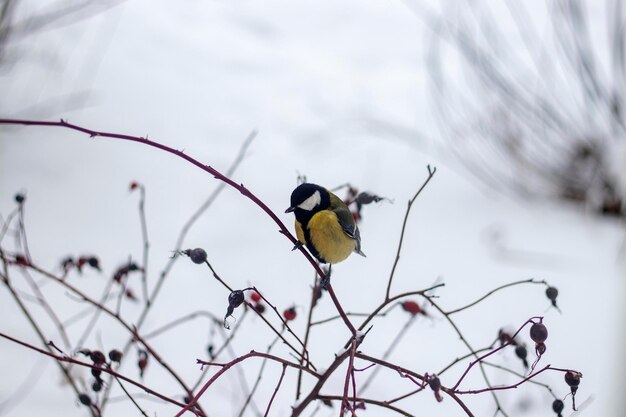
x=322 y=82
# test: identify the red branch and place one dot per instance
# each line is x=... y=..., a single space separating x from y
x=215 y=173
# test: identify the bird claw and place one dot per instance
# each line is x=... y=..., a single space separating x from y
x=297 y=246
x=325 y=280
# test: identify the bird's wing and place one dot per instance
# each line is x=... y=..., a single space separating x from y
x=348 y=225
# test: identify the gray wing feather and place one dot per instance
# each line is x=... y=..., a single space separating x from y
x=349 y=227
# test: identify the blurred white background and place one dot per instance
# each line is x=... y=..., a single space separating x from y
x=339 y=92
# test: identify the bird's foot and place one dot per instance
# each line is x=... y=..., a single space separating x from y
x=325 y=279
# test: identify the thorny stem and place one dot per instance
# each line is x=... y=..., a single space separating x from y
x=124 y=324
x=179 y=242
x=107 y=370
x=35 y=326
x=215 y=173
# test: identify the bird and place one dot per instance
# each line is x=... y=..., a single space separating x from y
x=324 y=224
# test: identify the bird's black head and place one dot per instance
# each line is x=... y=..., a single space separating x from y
x=307 y=199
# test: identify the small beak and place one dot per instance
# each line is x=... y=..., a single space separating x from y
x=290 y=209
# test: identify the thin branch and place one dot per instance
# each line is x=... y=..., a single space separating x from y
x=107 y=370
x=526 y=281
x=280 y=381
x=431 y=173
x=210 y=170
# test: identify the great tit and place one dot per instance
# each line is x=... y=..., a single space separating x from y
x=324 y=224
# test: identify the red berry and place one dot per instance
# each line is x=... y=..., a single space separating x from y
x=411 y=307
x=255 y=297
x=289 y=314
x=133 y=185
x=538 y=332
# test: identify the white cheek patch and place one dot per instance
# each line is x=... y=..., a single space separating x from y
x=311 y=202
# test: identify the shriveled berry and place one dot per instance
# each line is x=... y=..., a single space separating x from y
x=538 y=332
x=197 y=255
x=84 y=399
x=411 y=307
x=558 y=406
x=434 y=383
x=505 y=337
x=521 y=352
x=97 y=357
x=235 y=298
x=115 y=355
x=552 y=293
x=255 y=296
x=572 y=378
x=290 y=314
x=97 y=386
x=540 y=348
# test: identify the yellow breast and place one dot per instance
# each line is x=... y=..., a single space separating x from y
x=328 y=237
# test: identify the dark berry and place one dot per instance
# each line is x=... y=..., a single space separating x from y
x=538 y=332
x=197 y=255
x=505 y=338
x=97 y=357
x=552 y=293
x=96 y=373
x=540 y=348
x=259 y=308
x=411 y=307
x=434 y=383
x=115 y=355
x=93 y=262
x=133 y=185
x=558 y=406
x=20 y=198
x=521 y=352
x=572 y=378
x=84 y=399
x=97 y=386
x=235 y=298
